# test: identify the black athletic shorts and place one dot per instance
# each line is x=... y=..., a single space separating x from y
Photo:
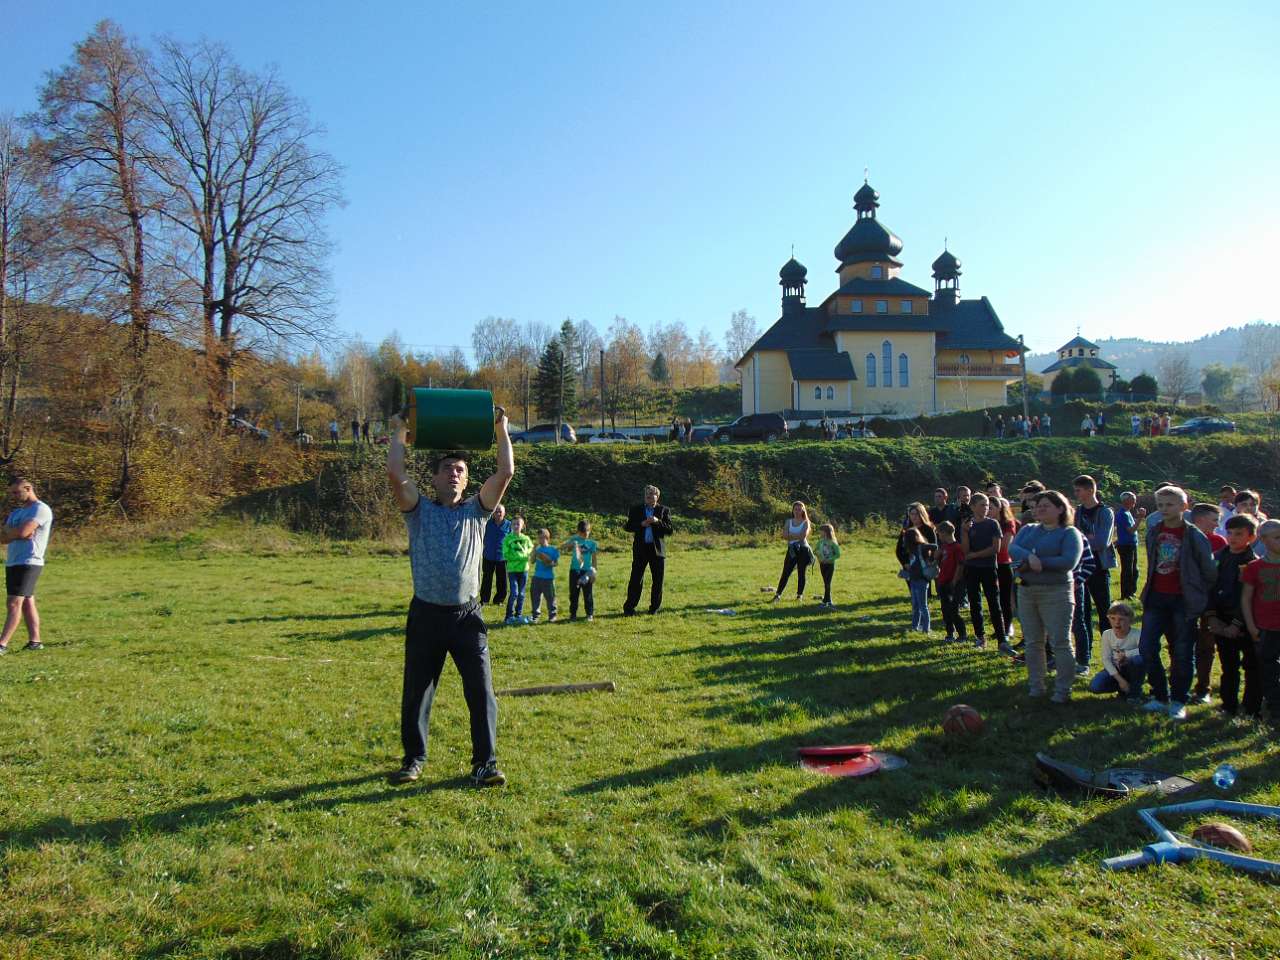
x=20 y=581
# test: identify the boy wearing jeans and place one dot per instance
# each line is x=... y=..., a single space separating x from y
x=1127 y=545
x=545 y=558
x=1180 y=574
x=1260 y=603
x=516 y=548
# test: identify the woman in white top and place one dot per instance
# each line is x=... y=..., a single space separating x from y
x=799 y=555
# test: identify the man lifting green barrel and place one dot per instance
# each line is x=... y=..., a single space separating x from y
x=446 y=537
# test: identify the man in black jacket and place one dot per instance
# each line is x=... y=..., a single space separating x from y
x=650 y=523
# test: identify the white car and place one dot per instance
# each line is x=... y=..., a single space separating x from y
x=613 y=438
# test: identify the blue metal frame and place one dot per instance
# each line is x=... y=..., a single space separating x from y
x=1171 y=848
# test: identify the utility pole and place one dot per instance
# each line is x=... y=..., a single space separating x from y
x=297 y=411
x=602 y=390
x=1022 y=357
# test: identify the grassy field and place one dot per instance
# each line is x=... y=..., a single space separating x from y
x=196 y=768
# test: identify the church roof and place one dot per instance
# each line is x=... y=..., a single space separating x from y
x=868 y=239
x=970 y=324
x=892 y=287
x=801 y=329
x=820 y=363
x=1079 y=341
x=1096 y=362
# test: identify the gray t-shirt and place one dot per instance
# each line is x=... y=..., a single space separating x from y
x=445 y=547
x=29 y=552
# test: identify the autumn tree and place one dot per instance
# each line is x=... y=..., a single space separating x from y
x=97 y=140
x=254 y=190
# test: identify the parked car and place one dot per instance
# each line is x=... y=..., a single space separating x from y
x=854 y=433
x=754 y=426
x=241 y=425
x=1198 y=426
x=703 y=434
x=545 y=433
x=613 y=438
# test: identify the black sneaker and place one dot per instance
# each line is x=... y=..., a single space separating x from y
x=408 y=773
x=4 y=649
x=1006 y=649
x=488 y=775
x=34 y=645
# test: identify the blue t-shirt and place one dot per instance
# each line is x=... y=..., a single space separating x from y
x=544 y=571
x=586 y=550
x=29 y=552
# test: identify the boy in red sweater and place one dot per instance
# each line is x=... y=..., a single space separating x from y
x=1260 y=604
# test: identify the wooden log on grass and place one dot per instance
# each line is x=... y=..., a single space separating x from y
x=608 y=686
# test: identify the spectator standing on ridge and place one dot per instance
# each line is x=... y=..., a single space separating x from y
x=1086 y=426
x=26 y=532
x=1046 y=425
x=355 y=430
x=1101 y=424
x=1135 y=425
x=986 y=424
x=999 y=426
x=650 y=523
x=333 y=433
x=364 y=430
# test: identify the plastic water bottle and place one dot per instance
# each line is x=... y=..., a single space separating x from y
x=1224 y=777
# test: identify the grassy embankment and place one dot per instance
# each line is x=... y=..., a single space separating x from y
x=194 y=768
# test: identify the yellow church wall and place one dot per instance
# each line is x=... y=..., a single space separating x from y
x=748 y=385
x=772 y=380
x=863 y=271
x=840 y=399
x=957 y=394
x=917 y=396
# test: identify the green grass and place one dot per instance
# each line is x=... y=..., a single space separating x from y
x=195 y=768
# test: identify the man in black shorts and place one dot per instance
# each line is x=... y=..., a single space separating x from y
x=446 y=541
x=26 y=532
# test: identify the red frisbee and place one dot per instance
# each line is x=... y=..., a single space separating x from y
x=858 y=765
x=849 y=750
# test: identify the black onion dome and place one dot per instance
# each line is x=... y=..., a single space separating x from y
x=946 y=267
x=793 y=271
x=868 y=239
x=866 y=198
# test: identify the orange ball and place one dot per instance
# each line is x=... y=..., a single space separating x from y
x=961 y=720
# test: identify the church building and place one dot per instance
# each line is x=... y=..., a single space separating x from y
x=878 y=344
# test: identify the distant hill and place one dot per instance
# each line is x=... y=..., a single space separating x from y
x=1134 y=356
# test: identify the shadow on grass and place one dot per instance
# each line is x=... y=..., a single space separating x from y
x=846 y=681
x=312 y=796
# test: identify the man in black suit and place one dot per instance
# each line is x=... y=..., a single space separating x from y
x=650 y=523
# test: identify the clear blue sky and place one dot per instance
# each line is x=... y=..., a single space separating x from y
x=1108 y=165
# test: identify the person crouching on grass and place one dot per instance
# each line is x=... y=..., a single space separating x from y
x=446 y=540
x=1122 y=669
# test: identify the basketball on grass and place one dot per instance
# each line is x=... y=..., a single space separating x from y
x=961 y=720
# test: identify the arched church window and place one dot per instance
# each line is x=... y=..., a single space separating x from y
x=817 y=393
x=886 y=367
x=871 y=369
x=904 y=370
x=831 y=393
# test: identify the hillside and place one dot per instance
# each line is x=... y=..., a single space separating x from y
x=749 y=488
x=1134 y=355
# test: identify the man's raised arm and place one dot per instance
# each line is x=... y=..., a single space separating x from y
x=493 y=489
x=403 y=488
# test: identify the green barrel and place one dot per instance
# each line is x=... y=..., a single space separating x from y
x=442 y=419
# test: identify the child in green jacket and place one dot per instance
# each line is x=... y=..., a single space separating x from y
x=516 y=550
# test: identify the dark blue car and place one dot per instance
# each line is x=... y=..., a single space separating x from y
x=1198 y=426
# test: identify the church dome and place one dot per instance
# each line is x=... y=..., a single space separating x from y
x=866 y=240
x=946 y=267
x=792 y=272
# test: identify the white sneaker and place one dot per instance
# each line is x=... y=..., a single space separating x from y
x=1155 y=706
x=776 y=598
x=1177 y=711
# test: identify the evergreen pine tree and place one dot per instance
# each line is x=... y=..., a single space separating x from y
x=555 y=385
x=658 y=369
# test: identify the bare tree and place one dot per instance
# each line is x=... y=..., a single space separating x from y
x=255 y=191
x=743 y=332
x=1175 y=374
x=1259 y=353
x=626 y=366
x=704 y=359
x=357 y=379
x=94 y=117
